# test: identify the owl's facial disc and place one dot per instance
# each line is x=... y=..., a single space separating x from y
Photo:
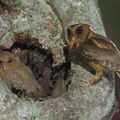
x=6 y=64
x=74 y=36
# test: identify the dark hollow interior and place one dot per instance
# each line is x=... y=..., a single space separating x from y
x=40 y=61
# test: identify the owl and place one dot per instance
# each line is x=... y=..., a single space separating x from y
x=17 y=75
x=98 y=51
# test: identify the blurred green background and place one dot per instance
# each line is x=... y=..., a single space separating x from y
x=110 y=11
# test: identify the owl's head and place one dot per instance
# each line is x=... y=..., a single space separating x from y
x=77 y=34
x=7 y=60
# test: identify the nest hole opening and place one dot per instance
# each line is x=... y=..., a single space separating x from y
x=41 y=61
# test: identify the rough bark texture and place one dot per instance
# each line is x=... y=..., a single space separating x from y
x=47 y=21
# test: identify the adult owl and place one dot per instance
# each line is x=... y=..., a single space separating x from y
x=98 y=51
x=17 y=75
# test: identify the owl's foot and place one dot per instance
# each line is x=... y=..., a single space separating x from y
x=87 y=83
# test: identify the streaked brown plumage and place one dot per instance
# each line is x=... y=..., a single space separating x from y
x=98 y=51
x=16 y=75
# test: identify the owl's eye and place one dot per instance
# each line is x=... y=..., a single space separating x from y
x=9 y=61
x=0 y=62
x=79 y=31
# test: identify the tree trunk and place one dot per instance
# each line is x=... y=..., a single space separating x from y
x=47 y=21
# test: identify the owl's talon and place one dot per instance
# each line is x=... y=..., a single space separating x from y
x=87 y=83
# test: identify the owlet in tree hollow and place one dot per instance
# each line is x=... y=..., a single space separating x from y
x=16 y=75
x=98 y=51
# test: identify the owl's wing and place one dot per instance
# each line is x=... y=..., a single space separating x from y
x=27 y=81
x=102 y=51
x=23 y=76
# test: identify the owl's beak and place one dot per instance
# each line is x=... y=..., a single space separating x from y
x=71 y=43
x=4 y=67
